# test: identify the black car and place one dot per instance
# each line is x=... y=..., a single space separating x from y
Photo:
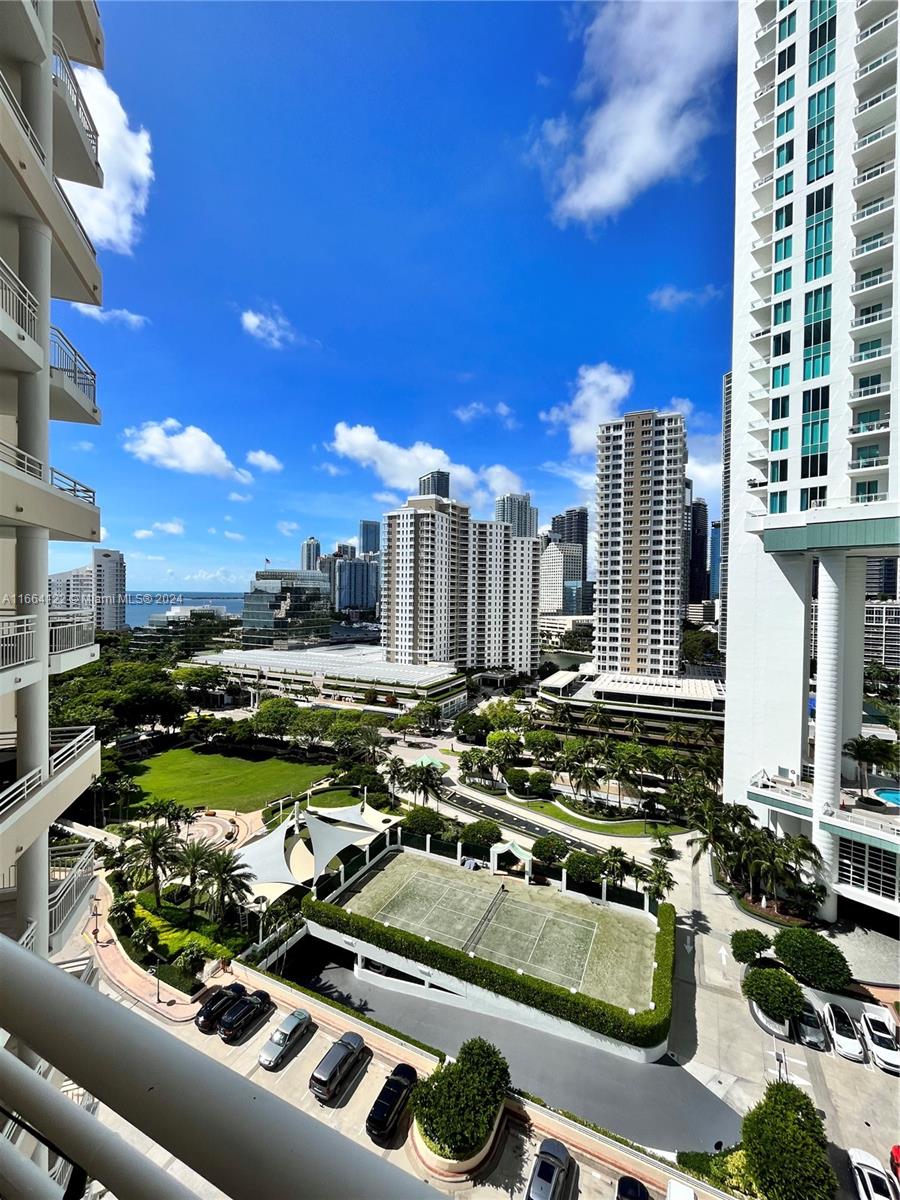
x=630 y=1188
x=391 y=1101
x=336 y=1067
x=207 y=1019
x=241 y=1016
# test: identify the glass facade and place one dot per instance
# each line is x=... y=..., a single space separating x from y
x=290 y=609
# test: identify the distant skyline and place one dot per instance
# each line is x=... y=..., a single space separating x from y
x=416 y=237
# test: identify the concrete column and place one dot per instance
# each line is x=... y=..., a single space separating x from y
x=854 y=655
x=829 y=689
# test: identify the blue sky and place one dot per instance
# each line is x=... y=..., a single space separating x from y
x=342 y=244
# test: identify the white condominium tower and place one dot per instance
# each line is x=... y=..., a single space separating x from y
x=561 y=563
x=457 y=590
x=640 y=544
x=813 y=449
x=98 y=589
x=518 y=512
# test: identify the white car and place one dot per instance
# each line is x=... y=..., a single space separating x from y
x=871 y=1179
x=881 y=1041
x=844 y=1037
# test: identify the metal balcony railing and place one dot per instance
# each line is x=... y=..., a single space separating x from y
x=869 y=498
x=874 y=172
x=875 y=136
x=875 y=243
x=865 y=105
x=871 y=426
x=891 y=19
x=64 y=357
x=76 y=221
x=74 y=873
x=883 y=314
x=881 y=61
x=10 y=97
x=28 y=465
x=70 y=631
x=66 y=744
x=16 y=641
x=866 y=356
x=62 y=71
x=869 y=464
x=17 y=301
x=872 y=281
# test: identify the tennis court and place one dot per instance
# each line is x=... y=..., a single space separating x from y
x=595 y=950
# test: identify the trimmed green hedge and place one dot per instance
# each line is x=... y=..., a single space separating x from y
x=457 y=1104
x=775 y=993
x=814 y=959
x=647 y=1028
x=749 y=944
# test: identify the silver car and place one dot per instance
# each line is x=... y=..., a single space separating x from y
x=287 y=1035
x=550 y=1173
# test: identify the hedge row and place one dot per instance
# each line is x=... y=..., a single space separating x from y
x=647 y=1028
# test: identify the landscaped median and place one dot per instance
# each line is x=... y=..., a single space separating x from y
x=647 y=1029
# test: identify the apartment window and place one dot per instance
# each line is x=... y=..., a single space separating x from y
x=784 y=154
x=820 y=135
x=786 y=58
x=781 y=376
x=781 y=312
x=784 y=216
x=780 y=408
x=784 y=185
x=784 y=122
x=777 y=502
x=778 y=440
x=821 y=50
x=867 y=490
x=819 y=230
x=784 y=248
x=812 y=497
x=781 y=344
x=821 y=10
x=787 y=26
x=784 y=91
x=778 y=471
x=814 y=432
x=782 y=280
x=817 y=333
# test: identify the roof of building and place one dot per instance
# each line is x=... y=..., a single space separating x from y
x=701 y=683
x=559 y=679
x=357 y=661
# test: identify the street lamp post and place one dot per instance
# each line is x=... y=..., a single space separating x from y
x=261 y=906
x=96 y=915
x=154 y=971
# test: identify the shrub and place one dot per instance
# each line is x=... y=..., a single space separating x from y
x=484 y=833
x=541 y=784
x=582 y=867
x=422 y=821
x=774 y=993
x=457 y=1104
x=785 y=1147
x=647 y=1028
x=516 y=780
x=815 y=960
x=550 y=848
x=748 y=944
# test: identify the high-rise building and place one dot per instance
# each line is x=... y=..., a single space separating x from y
x=686 y=553
x=355 y=584
x=640 y=543
x=345 y=550
x=726 y=509
x=435 y=483
x=457 y=590
x=309 y=554
x=815 y=259
x=882 y=579
x=715 y=558
x=369 y=537
x=518 y=512
x=99 y=587
x=572 y=526
x=561 y=563
x=288 y=609
x=698 y=572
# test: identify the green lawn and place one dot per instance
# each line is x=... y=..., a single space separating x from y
x=339 y=798
x=610 y=828
x=223 y=780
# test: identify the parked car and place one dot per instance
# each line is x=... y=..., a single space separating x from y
x=809 y=1030
x=244 y=1015
x=871 y=1179
x=550 y=1174
x=207 y=1019
x=282 y=1039
x=385 y=1113
x=336 y=1067
x=843 y=1033
x=880 y=1039
x=629 y=1188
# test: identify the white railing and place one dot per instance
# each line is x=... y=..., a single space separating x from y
x=865 y=105
x=78 y=878
x=27 y=938
x=763 y=151
x=867 y=356
x=861 y=248
x=764 y=91
x=855 y=817
x=871 y=426
x=873 y=281
x=874 y=173
x=67 y=204
x=10 y=97
x=70 y=631
x=17 y=301
x=66 y=744
x=883 y=314
x=881 y=61
x=74 y=487
x=765 y=60
x=875 y=136
x=64 y=357
x=868 y=464
x=21 y=460
x=71 y=741
x=62 y=71
x=16 y=641
x=772 y=783
x=891 y=19
x=871 y=389
x=763 y=180
x=869 y=498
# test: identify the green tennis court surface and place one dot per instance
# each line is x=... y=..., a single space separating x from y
x=596 y=950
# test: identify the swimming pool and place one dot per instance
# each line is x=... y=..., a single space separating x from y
x=888 y=795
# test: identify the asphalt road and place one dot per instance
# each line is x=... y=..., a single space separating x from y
x=484 y=808
x=657 y=1105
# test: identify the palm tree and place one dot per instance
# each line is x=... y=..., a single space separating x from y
x=635 y=728
x=598 y=716
x=192 y=862
x=427 y=779
x=583 y=776
x=677 y=734
x=395 y=771
x=566 y=717
x=801 y=855
x=615 y=864
x=370 y=743
x=152 y=854
x=771 y=865
x=714 y=830
x=226 y=881
x=658 y=881
x=865 y=750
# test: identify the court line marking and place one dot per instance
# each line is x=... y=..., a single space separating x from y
x=587 y=959
x=536 y=940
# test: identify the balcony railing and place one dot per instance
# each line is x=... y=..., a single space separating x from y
x=66 y=744
x=16 y=641
x=883 y=314
x=16 y=107
x=887 y=94
x=16 y=300
x=869 y=464
x=861 y=248
x=71 y=631
x=67 y=204
x=872 y=281
x=865 y=356
x=870 y=426
x=74 y=874
x=28 y=465
x=62 y=70
x=869 y=498
x=881 y=61
x=870 y=390
x=875 y=136
x=64 y=357
x=891 y=19
x=874 y=172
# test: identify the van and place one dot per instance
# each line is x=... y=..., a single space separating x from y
x=336 y=1067
x=679 y=1191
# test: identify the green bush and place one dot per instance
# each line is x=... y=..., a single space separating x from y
x=813 y=959
x=457 y=1104
x=422 y=821
x=775 y=993
x=516 y=780
x=582 y=867
x=484 y=833
x=647 y=1028
x=786 y=1151
x=549 y=849
x=748 y=944
x=540 y=784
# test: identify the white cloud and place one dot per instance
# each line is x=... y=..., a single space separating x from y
x=83 y=447
x=270 y=326
x=240 y=497
x=233 y=536
x=581 y=474
x=264 y=460
x=470 y=412
x=670 y=298
x=227 y=517
x=211 y=529
x=138 y=554
x=175 y=526
x=705 y=467
x=389 y=498
x=141 y=534
x=112 y=214
x=104 y=533
x=331 y=469
x=400 y=466
x=599 y=392
x=476 y=409
x=506 y=414
x=681 y=404
x=107 y=316
x=647 y=87
x=188 y=449
x=287 y=528
x=543 y=80
x=219 y=575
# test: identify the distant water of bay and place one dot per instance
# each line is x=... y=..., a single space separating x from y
x=140 y=606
